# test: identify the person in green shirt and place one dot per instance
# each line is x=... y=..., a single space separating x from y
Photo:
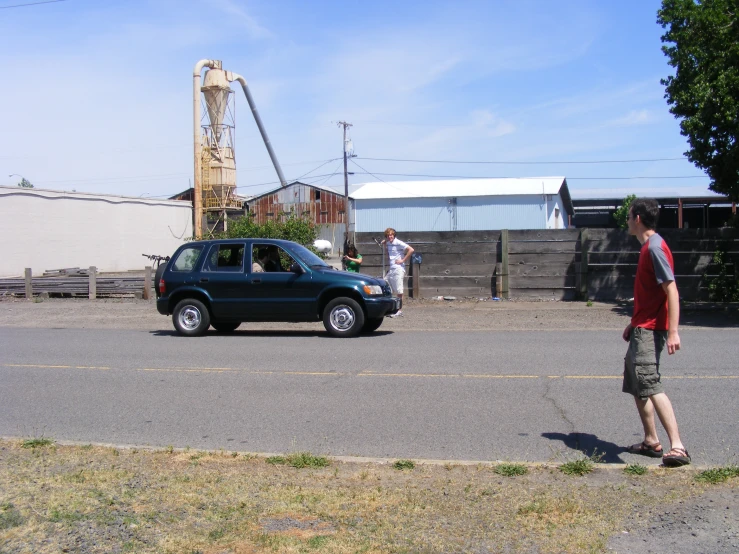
x=353 y=259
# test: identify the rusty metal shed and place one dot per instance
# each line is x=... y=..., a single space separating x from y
x=323 y=206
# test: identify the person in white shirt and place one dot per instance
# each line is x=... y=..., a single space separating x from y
x=398 y=253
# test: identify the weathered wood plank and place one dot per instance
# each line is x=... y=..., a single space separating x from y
x=458 y=292
x=542 y=281
x=457 y=281
x=523 y=270
x=544 y=294
x=541 y=247
x=460 y=270
x=542 y=259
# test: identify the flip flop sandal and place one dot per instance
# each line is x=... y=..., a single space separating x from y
x=645 y=449
x=681 y=458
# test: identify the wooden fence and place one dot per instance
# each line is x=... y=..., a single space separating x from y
x=88 y=283
x=568 y=264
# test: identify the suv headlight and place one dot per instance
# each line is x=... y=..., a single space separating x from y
x=373 y=290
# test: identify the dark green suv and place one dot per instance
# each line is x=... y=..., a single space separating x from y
x=222 y=283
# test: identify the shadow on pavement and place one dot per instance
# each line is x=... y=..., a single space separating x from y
x=275 y=333
x=709 y=314
x=589 y=445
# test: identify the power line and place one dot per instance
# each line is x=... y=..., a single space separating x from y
x=319 y=167
x=509 y=177
x=30 y=4
x=523 y=163
x=363 y=169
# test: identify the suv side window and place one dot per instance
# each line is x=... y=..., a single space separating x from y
x=225 y=257
x=187 y=259
x=275 y=258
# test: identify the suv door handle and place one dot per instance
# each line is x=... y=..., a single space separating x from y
x=256 y=280
x=203 y=279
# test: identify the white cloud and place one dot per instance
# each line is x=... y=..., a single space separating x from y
x=634 y=117
x=243 y=17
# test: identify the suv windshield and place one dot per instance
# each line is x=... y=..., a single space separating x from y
x=308 y=257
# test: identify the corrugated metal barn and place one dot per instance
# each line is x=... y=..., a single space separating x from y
x=324 y=206
x=462 y=205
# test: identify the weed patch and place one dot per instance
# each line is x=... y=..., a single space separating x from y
x=37 y=442
x=404 y=464
x=299 y=460
x=582 y=466
x=9 y=516
x=718 y=474
x=511 y=470
x=635 y=469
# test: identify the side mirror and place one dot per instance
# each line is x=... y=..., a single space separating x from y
x=297 y=269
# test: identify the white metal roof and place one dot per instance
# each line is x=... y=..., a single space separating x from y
x=459 y=187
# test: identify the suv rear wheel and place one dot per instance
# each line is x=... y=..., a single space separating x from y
x=191 y=317
x=343 y=317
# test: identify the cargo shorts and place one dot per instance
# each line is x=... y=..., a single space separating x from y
x=641 y=364
x=395 y=277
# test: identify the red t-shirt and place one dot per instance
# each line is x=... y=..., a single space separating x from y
x=650 y=301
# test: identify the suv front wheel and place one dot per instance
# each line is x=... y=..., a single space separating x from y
x=343 y=317
x=191 y=317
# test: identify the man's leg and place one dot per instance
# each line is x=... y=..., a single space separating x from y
x=666 y=415
x=646 y=414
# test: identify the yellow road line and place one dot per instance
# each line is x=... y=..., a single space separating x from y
x=41 y=366
x=361 y=374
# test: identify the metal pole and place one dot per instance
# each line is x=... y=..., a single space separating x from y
x=236 y=77
x=346 y=190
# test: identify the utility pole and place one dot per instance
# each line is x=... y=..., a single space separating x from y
x=346 y=189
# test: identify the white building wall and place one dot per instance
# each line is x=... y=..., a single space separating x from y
x=464 y=213
x=44 y=230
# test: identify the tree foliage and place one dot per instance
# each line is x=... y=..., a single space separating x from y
x=702 y=44
x=621 y=214
x=25 y=183
x=297 y=229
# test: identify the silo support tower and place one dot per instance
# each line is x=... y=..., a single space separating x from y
x=213 y=142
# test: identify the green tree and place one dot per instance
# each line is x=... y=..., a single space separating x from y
x=702 y=44
x=25 y=183
x=297 y=229
x=621 y=215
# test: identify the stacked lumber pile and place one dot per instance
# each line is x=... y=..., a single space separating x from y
x=74 y=285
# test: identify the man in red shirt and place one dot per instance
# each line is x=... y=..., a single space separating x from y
x=653 y=325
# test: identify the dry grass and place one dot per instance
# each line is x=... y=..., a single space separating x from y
x=96 y=499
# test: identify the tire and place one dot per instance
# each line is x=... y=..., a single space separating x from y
x=191 y=318
x=372 y=324
x=225 y=326
x=157 y=277
x=343 y=317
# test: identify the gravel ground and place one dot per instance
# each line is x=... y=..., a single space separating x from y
x=418 y=315
x=708 y=523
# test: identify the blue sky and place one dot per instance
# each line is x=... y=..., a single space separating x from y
x=97 y=94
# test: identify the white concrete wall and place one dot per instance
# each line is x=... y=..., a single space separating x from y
x=45 y=229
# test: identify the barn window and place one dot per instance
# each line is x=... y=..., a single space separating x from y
x=318 y=195
x=270 y=214
x=324 y=213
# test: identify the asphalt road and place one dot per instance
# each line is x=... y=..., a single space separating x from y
x=454 y=395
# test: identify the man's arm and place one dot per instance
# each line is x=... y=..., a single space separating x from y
x=407 y=254
x=673 y=313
